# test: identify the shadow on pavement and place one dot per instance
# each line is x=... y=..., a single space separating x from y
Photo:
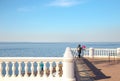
x=81 y=72
x=97 y=73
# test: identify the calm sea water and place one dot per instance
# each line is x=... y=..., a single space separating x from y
x=46 y=49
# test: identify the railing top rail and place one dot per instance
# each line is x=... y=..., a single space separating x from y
x=98 y=48
x=31 y=59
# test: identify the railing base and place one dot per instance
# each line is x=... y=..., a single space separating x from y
x=31 y=79
x=69 y=79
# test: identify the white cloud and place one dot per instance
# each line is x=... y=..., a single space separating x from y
x=64 y=3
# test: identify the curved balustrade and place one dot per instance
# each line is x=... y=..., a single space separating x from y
x=98 y=52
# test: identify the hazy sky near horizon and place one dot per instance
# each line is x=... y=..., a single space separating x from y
x=59 y=20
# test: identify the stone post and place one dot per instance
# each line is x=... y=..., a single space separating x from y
x=91 y=52
x=68 y=66
x=118 y=52
x=1 y=69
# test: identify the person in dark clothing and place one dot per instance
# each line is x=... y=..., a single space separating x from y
x=79 y=48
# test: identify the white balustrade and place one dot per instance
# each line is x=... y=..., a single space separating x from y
x=32 y=60
x=98 y=52
x=66 y=69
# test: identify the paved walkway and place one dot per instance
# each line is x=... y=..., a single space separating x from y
x=82 y=71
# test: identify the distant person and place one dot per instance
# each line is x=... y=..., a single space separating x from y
x=79 y=49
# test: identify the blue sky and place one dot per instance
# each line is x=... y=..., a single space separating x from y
x=59 y=20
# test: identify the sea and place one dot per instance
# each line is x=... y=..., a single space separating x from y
x=46 y=49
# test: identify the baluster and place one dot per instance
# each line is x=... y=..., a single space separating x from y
x=88 y=52
x=38 y=69
x=51 y=68
x=111 y=53
x=60 y=69
x=102 y=52
x=99 y=53
x=26 y=69
x=44 y=74
x=57 y=69
x=115 y=51
x=13 y=69
x=32 y=68
x=96 y=52
x=19 y=68
x=107 y=52
x=1 y=69
x=7 y=69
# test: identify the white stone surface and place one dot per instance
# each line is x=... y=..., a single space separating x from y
x=68 y=73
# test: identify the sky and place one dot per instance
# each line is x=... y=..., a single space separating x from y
x=59 y=20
